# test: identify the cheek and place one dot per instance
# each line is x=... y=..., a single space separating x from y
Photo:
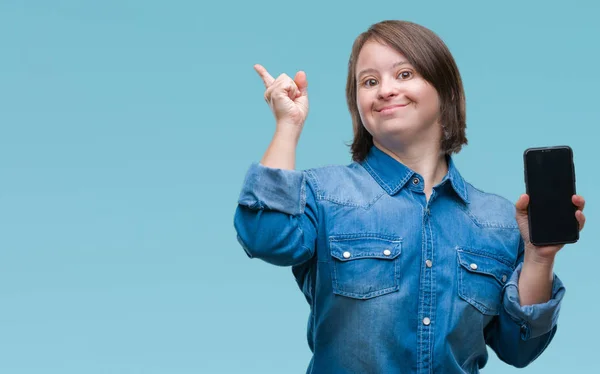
x=364 y=105
x=426 y=96
x=417 y=92
x=433 y=103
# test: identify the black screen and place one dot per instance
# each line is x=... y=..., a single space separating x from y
x=550 y=186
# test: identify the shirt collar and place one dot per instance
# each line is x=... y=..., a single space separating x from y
x=393 y=175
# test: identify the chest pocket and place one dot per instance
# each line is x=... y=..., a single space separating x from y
x=481 y=279
x=364 y=266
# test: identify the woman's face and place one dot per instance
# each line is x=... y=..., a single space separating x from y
x=396 y=105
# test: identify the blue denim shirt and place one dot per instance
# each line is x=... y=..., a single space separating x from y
x=396 y=283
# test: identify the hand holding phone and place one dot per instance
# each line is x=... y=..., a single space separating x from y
x=550 y=184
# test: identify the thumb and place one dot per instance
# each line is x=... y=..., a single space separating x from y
x=522 y=204
x=301 y=82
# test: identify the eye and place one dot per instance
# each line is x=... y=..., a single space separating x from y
x=370 y=82
x=405 y=74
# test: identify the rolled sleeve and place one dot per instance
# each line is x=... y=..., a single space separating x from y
x=276 y=216
x=274 y=189
x=534 y=320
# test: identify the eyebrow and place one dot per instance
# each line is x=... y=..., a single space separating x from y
x=362 y=72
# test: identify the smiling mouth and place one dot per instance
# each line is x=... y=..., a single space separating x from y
x=391 y=108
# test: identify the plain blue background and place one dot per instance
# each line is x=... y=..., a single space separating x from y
x=126 y=128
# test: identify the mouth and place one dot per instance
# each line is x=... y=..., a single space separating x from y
x=390 y=108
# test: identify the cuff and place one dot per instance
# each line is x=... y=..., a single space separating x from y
x=274 y=189
x=534 y=320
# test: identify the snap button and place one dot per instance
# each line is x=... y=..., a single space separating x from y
x=473 y=266
x=426 y=321
x=428 y=263
x=346 y=255
x=504 y=278
x=416 y=181
x=387 y=252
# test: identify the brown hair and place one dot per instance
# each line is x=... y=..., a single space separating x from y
x=428 y=54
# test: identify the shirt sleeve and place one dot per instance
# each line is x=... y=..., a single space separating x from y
x=520 y=334
x=276 y=216
x=534 y=320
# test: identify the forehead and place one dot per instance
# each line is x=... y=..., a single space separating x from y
x=375 y=54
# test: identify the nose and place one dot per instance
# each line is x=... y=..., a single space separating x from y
x=387 y=88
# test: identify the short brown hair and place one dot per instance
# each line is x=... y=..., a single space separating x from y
x=430 y=56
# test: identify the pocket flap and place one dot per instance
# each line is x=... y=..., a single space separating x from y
x=481 y=263
x=347 y=248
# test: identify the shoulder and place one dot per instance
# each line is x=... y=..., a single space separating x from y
x=348 y=184
x=490 y=209
x=331 y=174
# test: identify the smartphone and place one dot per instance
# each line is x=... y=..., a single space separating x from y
x=550 y=184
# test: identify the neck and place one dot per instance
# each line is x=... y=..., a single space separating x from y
x=425 y=159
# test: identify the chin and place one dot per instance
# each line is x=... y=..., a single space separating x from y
x=391 y=128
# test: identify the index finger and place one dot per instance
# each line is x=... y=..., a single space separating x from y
x=264 y=74
x=579 y=201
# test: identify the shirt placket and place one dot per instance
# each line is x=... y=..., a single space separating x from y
x=425 y=333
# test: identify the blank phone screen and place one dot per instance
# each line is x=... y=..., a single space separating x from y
x=551 y=185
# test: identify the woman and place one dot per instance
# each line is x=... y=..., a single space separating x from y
x=407 y=267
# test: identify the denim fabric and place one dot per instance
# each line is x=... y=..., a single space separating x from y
x=396 y=283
